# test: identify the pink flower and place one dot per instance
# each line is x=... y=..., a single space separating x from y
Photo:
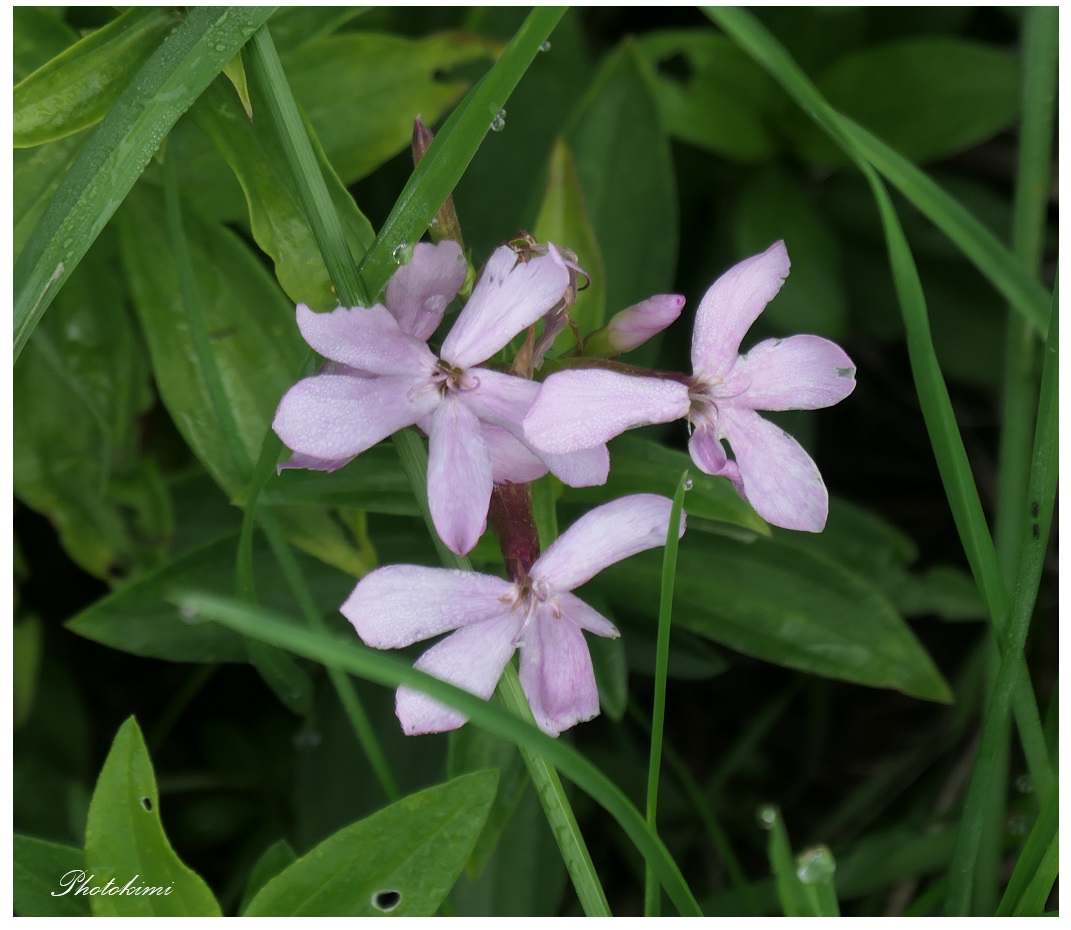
x=580 y=408
x=633 y=326
x=491 y=617
x=382 y=377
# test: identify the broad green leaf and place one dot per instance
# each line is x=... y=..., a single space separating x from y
x=75 y=89
x=38 y=34
x=138 y=619
x=626 y=173
x=640 y=466
x=362 y=91
x=475 y=750
x=294 y=26
x=611 y=675
x=271 y=862
x=774 y=205
x=277 y=219
x=26 y=648
x=926 y=98
x=119 y=150
x=125 y=840
x=77 y=396
x=784 y=605
x=691 y=658
x=711 y=94
x=943 y=591
x=402 y=860
x=42 y=870
x=563 y=219
x=37 y=173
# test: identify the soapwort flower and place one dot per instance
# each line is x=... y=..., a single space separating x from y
x=381 y=377
x=491 y=618
x=583 y=407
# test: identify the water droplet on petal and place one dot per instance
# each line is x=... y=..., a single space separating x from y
x=499 y=122
x=402 y=253
x=688 y=484
x=816 y=866
x=767 y=816
x=545 y=47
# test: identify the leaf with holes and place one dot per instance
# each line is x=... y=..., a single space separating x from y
x=126 y=843
x=402 y=860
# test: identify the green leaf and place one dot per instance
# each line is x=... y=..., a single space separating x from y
x=710 y=94
x=271 y=862
x=804 y=882
x=75 y=89
x=287 y=680
x=626 y=174
x=125 y=841
x=640 y=466
x=786 y=606
x=773 y=205
x=27 y=643
x=37 y=174
x=927 y=98
x=294 y=26
x=361 y=91
x=276 y=217
x=78 y=394
x=137 y=618
x=1039 y=863
x=41 y=870
x=474 y=750
x=402 y=860
x=563 y=219
x=610 y=662
x=38 y=34
x=119 y=150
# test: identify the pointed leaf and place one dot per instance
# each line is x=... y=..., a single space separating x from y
x=40 y=870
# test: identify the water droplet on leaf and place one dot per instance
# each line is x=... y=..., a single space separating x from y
x=1024 y=784
x=816 y=866
x=767 y=816
x=402 y=253
x=499 y=122
x=688 y=484
x=545 y=47
x=1017 y=825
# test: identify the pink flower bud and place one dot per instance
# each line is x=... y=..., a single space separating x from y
x=633 y=327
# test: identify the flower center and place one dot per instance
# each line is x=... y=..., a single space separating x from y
x=705 y=395
x=448 y=377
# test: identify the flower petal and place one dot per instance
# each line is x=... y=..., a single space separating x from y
x=419 y=290
x=402 y=604
x=798 y=373
x=731 y=305
x=459 y=475
x=364 y=338
x=709 y=454
x=472 y=658
x=511 y=460
x=607 y=534
x=556 y=672
x=633 y=326
x=509 y=296
x=585 y=407
x=777 y=477
x=297 y=460
x=500 y=399
x=338 y=417
x=585 y=616
x=585 y=468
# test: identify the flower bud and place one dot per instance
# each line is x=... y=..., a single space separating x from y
x=445 y=225
x=633 y=326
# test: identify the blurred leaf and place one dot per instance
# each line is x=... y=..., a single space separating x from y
x=784 y=605
x=294 y=26
x=37 y=173
x=271 y=862
x=119 y=150
x=1038 y=866
x=41 y=869
x=361 y=91
x=38 y=34
x=690 y=657
x=276 y=216
x=804 y=882
x=944 y=591
x=26 y=647
x=138 y=619
x=773 y=205
x=475 y=750
x=710 y=94
x=925 y=97
x=626 y=174
x=287 y=680
x=402 y=860
x=125 y=841
x=563 y=219
x=78 y=394
x=611 y=675
x=640 y=466
x=75 y=89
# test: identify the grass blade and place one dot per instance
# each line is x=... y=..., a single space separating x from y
x=114 y=158
x=380 y=668
x=652 y=893
x=1035 y=872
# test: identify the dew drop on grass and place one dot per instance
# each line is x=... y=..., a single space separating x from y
x=1017 y=825
x=816 y=866
x=499 y=122
x=1024 y=784
x=545 y=47
x=688 y=484
x=767 y=816
x=402 y=253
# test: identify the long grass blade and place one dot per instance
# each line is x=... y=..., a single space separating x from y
x=383 y=669
x=652 y=893
x=114 y=158
x=1035 y=872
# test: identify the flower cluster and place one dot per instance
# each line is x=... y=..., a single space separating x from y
x=489 y=428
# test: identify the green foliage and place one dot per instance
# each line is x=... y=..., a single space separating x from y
x=41 y=870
